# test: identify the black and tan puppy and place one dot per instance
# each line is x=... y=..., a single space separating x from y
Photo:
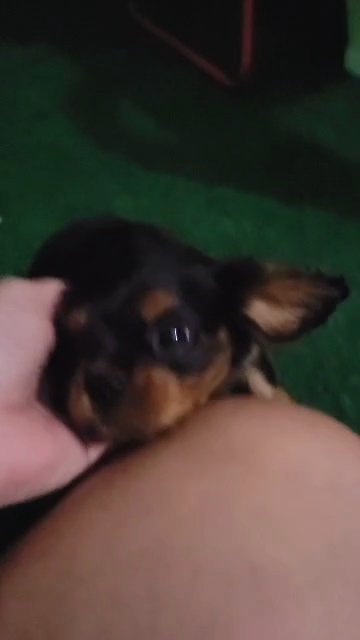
x=150 y=329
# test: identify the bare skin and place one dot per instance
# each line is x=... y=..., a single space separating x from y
x=245 y=524
x=38 y=453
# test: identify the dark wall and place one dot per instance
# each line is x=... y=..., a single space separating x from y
x=288 y=33
x=58 y=23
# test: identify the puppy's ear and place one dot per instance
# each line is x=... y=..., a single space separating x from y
x=283 y=302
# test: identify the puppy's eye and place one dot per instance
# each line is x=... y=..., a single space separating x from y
x=169 y=337
x=173 y=336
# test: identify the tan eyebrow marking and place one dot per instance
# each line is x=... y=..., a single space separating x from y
x=156 y=302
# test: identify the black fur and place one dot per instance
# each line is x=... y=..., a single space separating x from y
x=107 y=263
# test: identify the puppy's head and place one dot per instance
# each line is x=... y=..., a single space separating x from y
x=153 y=351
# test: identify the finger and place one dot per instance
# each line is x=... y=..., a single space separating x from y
x=68 y=457
x=94 y=453
x=39 y=295
x=39 y=454
x=48 y=292
x=26 y=334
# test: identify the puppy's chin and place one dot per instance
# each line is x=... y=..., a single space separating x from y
x=157 y=401
x=118 y=431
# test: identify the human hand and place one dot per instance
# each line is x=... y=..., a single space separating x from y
x=38 y=453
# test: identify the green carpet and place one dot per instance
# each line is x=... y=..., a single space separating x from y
x=144 y=135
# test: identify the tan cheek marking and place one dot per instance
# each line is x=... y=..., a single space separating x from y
x=157 y=302
x=158 y=398
x=79 y=406
x=163 y=400
x=169 y=398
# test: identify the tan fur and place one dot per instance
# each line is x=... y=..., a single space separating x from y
x=258 y=384
x=82 y=414
x=156 y=398
x=272 y=317
x=159 y=399
x=253 y=377
x=170 y=398
x=280 y=304
x=157 y=302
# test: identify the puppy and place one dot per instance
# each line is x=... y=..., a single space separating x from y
x=149 y=328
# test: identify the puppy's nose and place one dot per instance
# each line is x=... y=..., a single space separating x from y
x=104 y=385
